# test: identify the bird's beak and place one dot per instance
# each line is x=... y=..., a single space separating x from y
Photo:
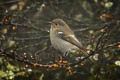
x=53 y=25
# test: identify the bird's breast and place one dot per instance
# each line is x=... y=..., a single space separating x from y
x=62 y=45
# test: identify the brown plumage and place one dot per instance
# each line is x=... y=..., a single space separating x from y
x=63 y=38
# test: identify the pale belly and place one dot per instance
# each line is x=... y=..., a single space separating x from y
x=62 y=45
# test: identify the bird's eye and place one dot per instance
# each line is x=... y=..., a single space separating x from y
x=56 y=24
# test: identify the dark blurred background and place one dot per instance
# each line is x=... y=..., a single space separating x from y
x=24 y=38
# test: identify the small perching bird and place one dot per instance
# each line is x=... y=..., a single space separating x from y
x=63 y=38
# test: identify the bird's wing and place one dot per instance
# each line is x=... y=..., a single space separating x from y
x=73 y=40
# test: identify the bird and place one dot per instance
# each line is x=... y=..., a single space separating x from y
x=63 y=38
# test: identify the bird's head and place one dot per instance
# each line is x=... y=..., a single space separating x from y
x=58 y=26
